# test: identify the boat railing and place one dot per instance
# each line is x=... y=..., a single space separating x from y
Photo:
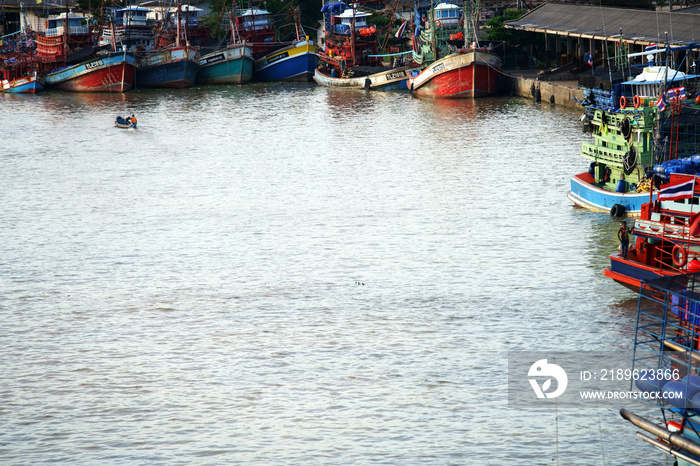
x=76 y=30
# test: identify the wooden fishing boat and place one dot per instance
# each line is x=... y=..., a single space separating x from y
x=350 y=57
x=230 y=64
x=172 y=64
x=171 y=67
x=276 y=60
x=642 y=122
x=29 y=84
x=384 y=80
x=106 y=72
x=454 y=66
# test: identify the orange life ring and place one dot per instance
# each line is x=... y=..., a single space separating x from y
x=637 y=101
x=679 y=255
x=438 y=23
x=623 y=102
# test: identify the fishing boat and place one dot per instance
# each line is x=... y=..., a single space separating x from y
x=172 y=64
x=667 y=236
x=28 y=84
x=350 y=58
x=72 y=63
x=453 y=64
x=275 y=60
x=19 y=69
x=232 y=63
x=640 y=123
x=665 y=370
x=106 y=72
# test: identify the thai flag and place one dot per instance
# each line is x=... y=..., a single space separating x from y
x=661 y=103
x=399 y=33
x=682 y=190
x=677 y=93
x=650 y=48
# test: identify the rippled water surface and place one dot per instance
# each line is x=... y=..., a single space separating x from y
x=286 y=274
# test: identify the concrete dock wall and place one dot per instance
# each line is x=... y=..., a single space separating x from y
x=558 y=93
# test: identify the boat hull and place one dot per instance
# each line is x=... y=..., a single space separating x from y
x=466 y=74
x=630 y=273
x=585 y=194
x=30 y=84
x=296 y=62
x=113 y=73
x=233 y=65
x=169 y=68
x=389 y=80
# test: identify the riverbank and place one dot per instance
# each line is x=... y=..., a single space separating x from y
x=527 y=83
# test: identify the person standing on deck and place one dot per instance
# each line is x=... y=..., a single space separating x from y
x=624 y=237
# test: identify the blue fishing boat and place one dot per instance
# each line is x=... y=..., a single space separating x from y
x=275 y=60
x=29 y=84
x=665 y=370
x=171 y=67
x=639 y=124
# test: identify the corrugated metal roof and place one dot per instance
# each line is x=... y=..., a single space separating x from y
x=597 y=22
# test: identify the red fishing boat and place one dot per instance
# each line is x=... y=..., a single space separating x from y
x=454 y=64
x=667 y=236
x=66 y=51
x=19 y=69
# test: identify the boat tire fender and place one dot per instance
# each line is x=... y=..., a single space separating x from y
x=680 y=255
x=617 y=210
x=623 y=102
x=637 y=101
x=343 y=64
x=629 y=161
x=368 y=84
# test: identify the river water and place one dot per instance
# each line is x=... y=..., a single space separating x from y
x=287 y=274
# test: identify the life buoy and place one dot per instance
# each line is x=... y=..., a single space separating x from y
x=637 y=101
x=623 y=102
x=438 y=23
x=679 y=255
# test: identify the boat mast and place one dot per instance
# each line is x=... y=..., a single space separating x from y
x=352 y=35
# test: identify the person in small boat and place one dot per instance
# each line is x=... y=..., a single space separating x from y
x=623 y=234
x=133 y=120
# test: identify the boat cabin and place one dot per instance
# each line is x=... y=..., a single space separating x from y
x=447 y=15
x=77 y=25
x=255 y=19
x=343 y=21
x=131 y=16
x=651 y=81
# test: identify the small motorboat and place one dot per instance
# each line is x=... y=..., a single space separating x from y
x=124 y=123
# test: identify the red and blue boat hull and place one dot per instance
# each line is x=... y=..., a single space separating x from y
x=114 y=72
x=29 y=84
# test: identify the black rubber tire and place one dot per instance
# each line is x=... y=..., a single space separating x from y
x=617 y=211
